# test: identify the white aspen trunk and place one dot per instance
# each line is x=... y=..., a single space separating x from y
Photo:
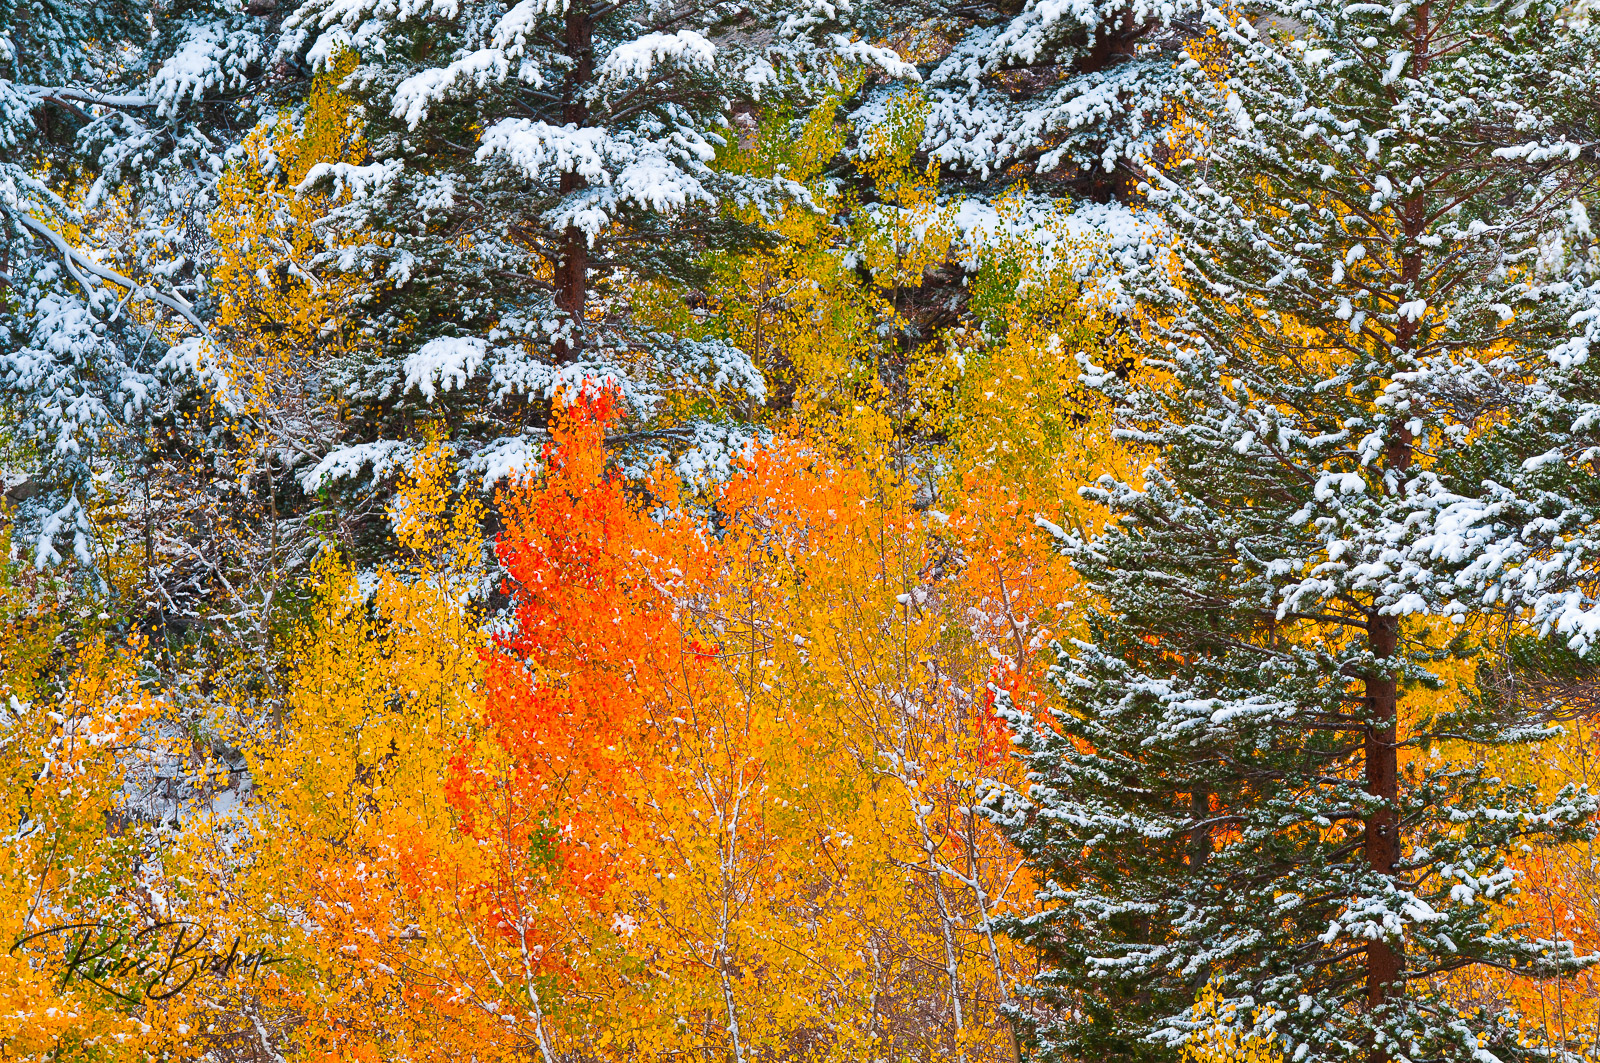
x=728 y=857
x=534 y=1004
x=951 y=967
x=529 y=989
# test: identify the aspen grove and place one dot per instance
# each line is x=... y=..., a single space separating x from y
x=799 y=531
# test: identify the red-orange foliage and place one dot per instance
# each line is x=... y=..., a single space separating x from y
x=569 y=688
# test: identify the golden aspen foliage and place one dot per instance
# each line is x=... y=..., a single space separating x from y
x=1006 y=393
x=277 y=306
x=799 y=308
x=1541 y=682
x=349 y=864
x=1219 y=1040
x=711 y=795
x=895 y=692
x=69 y=864
x=911 y=231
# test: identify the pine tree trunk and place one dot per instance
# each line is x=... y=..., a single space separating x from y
x=572 y=262
x=1383 y=782
x=1200 y=844
x=1384 y=962
x=572 y=279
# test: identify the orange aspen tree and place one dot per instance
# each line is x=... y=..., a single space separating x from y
x=553 y=787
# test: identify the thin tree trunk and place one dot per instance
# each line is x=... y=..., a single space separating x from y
x=986 y=924
x=730 y=859
x=268 y=647
x=540 y=1036
x=1200 y=843
x=952 y=970
x=935 y=867
x=1382 y=842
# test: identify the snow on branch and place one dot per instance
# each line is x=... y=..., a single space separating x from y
x=639 y=58
x=75 y=261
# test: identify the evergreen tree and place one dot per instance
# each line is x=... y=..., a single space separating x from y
x=115 y=119
x=1070 y=96
x=530 y=164
x=1236 y=789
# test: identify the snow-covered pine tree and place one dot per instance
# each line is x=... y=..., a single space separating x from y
x=1070 y=96
x=529 y=162
x=114 y=121
x=1236 y=789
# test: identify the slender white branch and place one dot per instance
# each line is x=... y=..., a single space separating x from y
x=68 y=92
x=76 y=260
x=532 y=991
